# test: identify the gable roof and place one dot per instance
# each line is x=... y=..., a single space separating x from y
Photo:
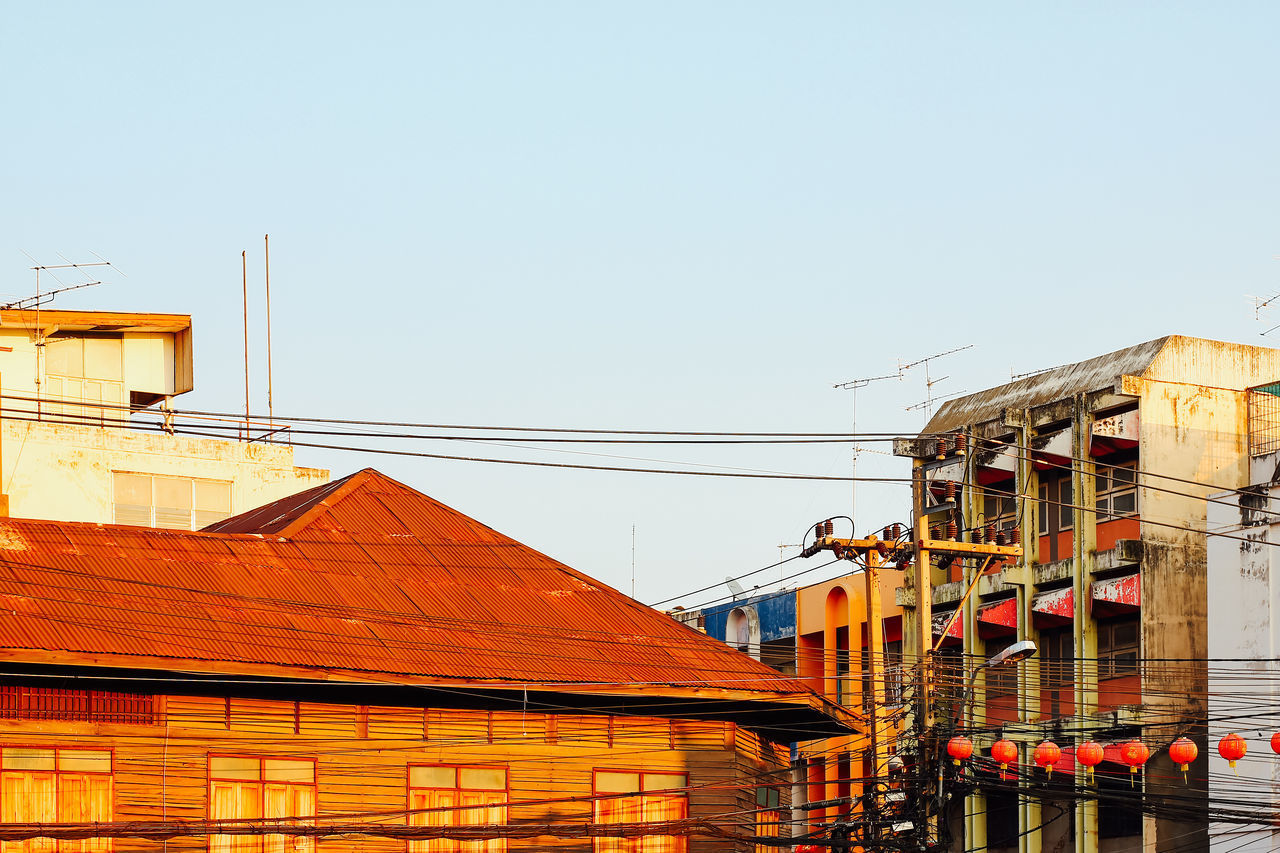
x=363 y=579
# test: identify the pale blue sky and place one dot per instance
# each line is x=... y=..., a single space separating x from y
x=648 y=215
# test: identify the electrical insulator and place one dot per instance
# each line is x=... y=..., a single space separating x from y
x=943 y=446
x=962 y=442
x=999 y=537
x=894 y=532
x=991 y=533
x=952 y=530
x=949 y=491
x=1015 y=535
x=818 y=528
x=828 y=528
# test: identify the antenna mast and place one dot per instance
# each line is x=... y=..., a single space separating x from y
x=929 y=382
x=853 y=385
x=39 y=299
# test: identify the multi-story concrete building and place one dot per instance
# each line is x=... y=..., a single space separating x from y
x=86 y=436
x=1100 y=471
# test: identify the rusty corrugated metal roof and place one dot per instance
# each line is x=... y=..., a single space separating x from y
x=362 y=575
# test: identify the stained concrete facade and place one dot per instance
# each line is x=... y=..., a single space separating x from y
x=1101 y=470
x=1244 y=644
x=70 y=449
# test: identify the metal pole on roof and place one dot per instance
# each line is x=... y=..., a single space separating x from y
x=244 y=269
x=266 y=248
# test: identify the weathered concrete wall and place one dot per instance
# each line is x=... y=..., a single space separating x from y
x=1243 y=643
x=63 y=472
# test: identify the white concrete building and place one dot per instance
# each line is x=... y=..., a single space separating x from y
x=1244 y=635
x=71 y=449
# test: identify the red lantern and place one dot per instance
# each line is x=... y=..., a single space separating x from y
x=1183 y=752
x=1004 y=751
x=1047 y=755
x=959 y=748
x=1090 y=755
x=1232 y=747
x=808 y=848
x=1135 y=754
x=1275 y=742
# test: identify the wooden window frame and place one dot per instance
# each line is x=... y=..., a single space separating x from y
x=645 y=844
x=258 y=842
x=1108 y=650
x=439 y=845
x=96 y=845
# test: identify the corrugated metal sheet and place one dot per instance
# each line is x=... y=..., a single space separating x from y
x=361 y=575
x=1056 y=384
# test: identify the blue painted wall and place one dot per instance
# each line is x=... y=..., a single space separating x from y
x=777 y=616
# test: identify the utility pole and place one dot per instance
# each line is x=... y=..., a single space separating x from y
x=938 y=540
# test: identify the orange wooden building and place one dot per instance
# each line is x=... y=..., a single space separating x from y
x=359 y=667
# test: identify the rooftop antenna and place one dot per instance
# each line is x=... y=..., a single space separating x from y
x=853 y=385
x=271 y=420
x=633 y=561
x=929 y=381
x=782 y=548
x=39 y=299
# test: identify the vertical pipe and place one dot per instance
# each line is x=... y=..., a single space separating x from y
x=244 y=270
x=266 y=248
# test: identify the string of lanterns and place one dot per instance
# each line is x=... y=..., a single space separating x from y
x=1090 y=754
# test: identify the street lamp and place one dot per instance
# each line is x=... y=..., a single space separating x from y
x=1008 y=656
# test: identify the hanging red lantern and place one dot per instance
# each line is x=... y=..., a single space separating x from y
x=809 y=848
x=1232 y=747
x=1047 y=755
x=1183 y=752
x=1004 y=751
x=959 y=748
x=1135 y=754
x=1090 y=755
x=1275 y=742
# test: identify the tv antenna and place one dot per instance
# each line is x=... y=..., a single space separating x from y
x=929 y=381
x=853 y=385
x=35 y=302
x=42 y=298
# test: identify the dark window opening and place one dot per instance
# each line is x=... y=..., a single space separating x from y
x=1118 y=642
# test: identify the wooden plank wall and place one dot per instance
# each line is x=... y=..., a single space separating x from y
x=362 y=754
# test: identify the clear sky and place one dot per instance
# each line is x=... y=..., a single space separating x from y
x=659 y=215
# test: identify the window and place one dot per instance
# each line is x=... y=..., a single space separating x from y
x=46 y=785
x=1117 y=490
x=243 y=786
x=182 y=503
x=88 y=369
x=42 y=703
x=1000 y=507
x=892 y=677
x=768 y=816
x=1057 y=657
x=1056 y=504
x=1118 y=641
x=464 y=796
x=653 y=797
